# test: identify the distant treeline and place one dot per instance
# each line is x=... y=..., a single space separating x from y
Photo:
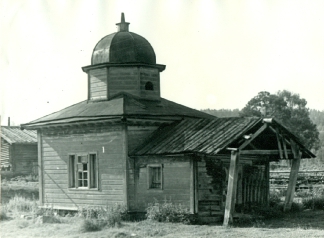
x=318 y=118
x=222 y=112
x=315 y=115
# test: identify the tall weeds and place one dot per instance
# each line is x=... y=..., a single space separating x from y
x=168 y=212
x=20 y=204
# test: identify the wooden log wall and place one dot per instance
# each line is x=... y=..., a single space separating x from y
x=24 y=158
x=210 y=196
x=176 y=182
x=107 y=141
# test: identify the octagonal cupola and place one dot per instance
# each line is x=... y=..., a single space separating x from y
x=123 y=62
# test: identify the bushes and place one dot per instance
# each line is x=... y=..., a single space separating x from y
x=315 y=201
x=168 y=212
x=97 y=218
x=3 y=215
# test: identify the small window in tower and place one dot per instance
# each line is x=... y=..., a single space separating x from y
x=149 y=86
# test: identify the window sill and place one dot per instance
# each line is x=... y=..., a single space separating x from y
x=83 y=189
x=155 y=189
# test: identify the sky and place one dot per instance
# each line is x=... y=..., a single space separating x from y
x=218 y=54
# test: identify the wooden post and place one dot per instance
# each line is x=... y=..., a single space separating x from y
x=231 y=188
x=126 y=166
x=292 y=177
x=192 y=186
x=40 y=167
x=267 y=178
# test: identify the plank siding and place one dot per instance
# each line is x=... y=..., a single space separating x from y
x=98 y=84
x=150 y=75
x=123 y=80
x=57 y=145
x=176 y=182
x=137 y=135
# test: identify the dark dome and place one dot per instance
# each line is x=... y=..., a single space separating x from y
x=123 y=47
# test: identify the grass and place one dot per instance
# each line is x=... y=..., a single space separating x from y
x=87 y=223
x=305 y=224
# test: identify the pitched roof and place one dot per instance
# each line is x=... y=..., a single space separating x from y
x=13 y=134
x=121 y=105
x=209 y=136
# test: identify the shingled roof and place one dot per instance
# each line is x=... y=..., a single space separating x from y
x=13 y=134
x=213 y=136
x=121 y=105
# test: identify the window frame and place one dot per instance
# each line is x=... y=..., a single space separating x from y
x=92 y=171
x=150 y=168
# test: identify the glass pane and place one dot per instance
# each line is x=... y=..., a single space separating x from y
x=72 y=171
x=93 y=174
x=85 y=167
x=85 y=183
x=156 y=177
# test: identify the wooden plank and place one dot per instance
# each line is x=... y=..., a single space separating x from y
x=232 y=181
x=284 y=147
x=263 y=152
x=125 y=168
x=279 y=143
x=192 y=186
x=267 y=177
x=196 y=185
x=255 y=135
x=40 y=167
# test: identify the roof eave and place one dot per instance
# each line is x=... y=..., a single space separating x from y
x=86 y=69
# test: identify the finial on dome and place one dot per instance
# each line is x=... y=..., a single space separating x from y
x=122 y=26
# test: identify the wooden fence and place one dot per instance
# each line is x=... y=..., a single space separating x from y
x=306 y=179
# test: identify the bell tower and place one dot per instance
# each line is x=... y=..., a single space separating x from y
x=123 y=62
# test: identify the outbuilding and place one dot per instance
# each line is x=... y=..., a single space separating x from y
x=18 y=151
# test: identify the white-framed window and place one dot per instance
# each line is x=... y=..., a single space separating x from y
x=155 y=176
x=83 y=170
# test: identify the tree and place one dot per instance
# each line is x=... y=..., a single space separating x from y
x=290 y=110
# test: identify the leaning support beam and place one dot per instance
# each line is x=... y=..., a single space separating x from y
x=231 y=188
x=292 y=177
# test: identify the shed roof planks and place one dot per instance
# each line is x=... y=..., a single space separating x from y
x=13 y=134
x=211 y=136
